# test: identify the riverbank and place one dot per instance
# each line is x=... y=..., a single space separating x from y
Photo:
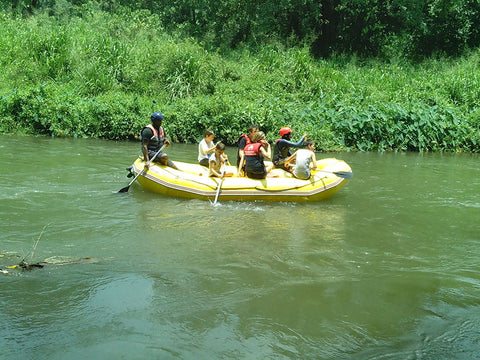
x=102 y=74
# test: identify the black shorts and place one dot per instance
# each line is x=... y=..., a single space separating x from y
x=151 y=154
x=204 y=162
x=256 y=175
x=159 y=157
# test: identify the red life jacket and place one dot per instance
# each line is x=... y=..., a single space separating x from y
x=155 y=131
x=156 y=141
x=254 y=159
x=252 y=149
x=247 y=139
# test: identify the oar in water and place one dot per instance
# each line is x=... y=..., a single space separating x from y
x=219 y=185
x=342 y=174
x=125 y=189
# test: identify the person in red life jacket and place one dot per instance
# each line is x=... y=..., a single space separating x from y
x=153 y=138
x=281 y=150
x=244 y=140
x=253 y=155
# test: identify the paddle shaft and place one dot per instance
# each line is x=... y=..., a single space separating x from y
x=342 y=174
x=219 y=186
x=125 y=189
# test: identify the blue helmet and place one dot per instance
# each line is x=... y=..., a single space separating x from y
x=156 y=116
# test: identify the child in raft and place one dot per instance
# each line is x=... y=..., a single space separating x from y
x=217 y=162
x=205 y=148
x=301 y=160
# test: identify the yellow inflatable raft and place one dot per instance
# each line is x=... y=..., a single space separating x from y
x=192 y=181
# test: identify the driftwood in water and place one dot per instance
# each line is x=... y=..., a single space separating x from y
x=24 y=266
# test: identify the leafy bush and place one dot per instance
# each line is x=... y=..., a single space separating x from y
x=104 y=73
x=392 y=127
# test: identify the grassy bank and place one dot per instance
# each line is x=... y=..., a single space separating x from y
x=101 y=75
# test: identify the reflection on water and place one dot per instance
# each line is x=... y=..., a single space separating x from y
x=385 y=269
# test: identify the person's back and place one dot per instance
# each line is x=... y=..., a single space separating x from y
x=244 y=140
x=280 y=151
x=254 y=154
x=303 y=158
x=301 y=170
x=253 y=158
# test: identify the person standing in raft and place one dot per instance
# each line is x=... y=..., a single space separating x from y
x=253 y=156
x=153 y=138
x=205 y=148
x=302 y=159
x=244 y=140
x=281 y=150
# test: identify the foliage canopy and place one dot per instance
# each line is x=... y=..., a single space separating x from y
x=412 y=28
x=98 y=69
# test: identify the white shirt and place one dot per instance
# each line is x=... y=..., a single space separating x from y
x=203 y=147
x=301 y=169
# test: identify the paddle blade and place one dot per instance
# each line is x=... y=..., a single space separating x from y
x=124 y=190
x=344 y=174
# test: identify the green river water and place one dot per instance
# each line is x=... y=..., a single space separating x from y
x=385 y=269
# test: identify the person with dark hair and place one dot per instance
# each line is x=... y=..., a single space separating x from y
x=205 y=148
x=253 y=156
x=217 y=162
x=281 y=150
x=244 y=140
x=153 y=138
x=302 y=159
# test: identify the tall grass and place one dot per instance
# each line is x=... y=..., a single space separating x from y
x=101 y=75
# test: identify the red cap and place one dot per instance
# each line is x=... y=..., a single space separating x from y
x=285 y=130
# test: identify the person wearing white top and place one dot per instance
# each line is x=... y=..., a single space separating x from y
x=303 y=158
x=205 y=148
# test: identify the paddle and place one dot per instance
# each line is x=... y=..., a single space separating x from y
x=342 y=174
x=219 y=185
x=125 y=189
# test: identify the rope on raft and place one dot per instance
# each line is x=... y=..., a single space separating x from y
x=312 y=181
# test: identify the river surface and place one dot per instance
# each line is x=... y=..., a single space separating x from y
x=388 y=268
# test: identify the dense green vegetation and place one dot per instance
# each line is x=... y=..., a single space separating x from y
x=413 y=28
x=88 y=70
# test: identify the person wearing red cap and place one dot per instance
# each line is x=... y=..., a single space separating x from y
x=281 y=150
x=153 y=138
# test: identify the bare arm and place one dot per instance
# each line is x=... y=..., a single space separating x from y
x=240 y=165
x=224 y=158
x=145 y=150
x=211 y=166
x=240 y=153
x=268 y=152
